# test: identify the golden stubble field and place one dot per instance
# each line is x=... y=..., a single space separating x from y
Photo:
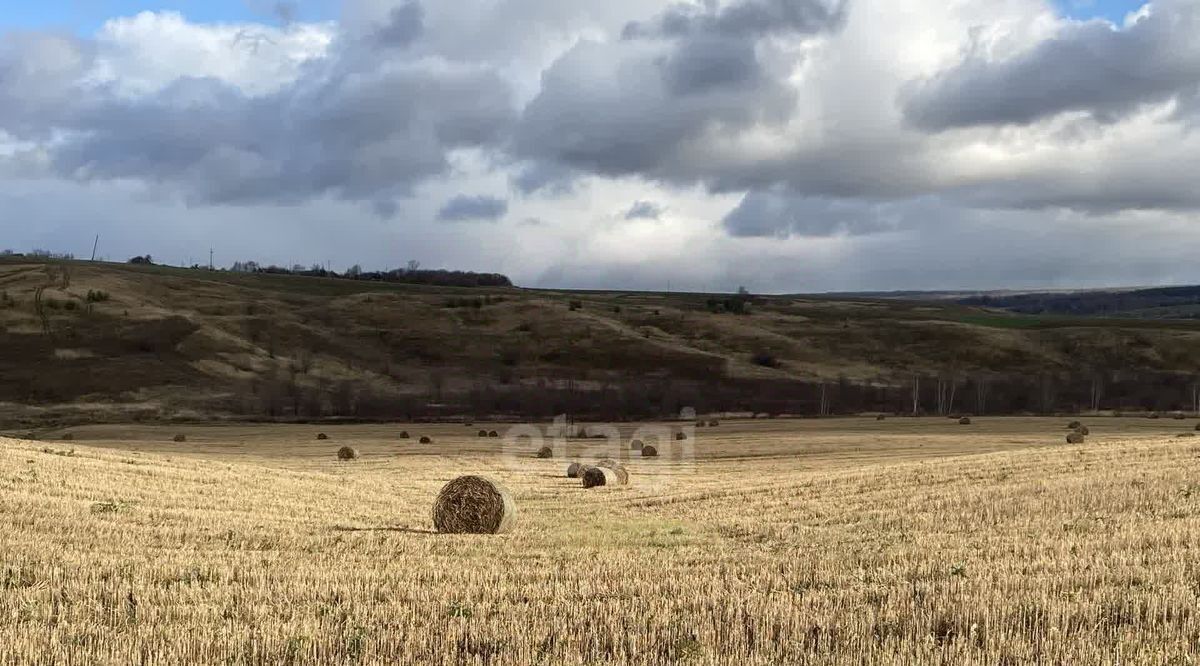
x=906 y=541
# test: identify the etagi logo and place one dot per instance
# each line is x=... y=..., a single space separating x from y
x=654 y=451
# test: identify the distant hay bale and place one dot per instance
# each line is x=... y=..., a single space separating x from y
x=1198 y=426
x=636 y=445
x=493 y=433
x=403 y=434
x=1186 y=434
x=425 y=440
x=680 y=436
x=1083 y=430
x=1073 y=425
x=180 y=438
x=30 y=436
x=573 y=470
x=1178 y=416
x=474 y=505
x=880 y=417
x=67 y=437
x=322 y=436
x=594 y=477
x=966 y=420
x=649 y=452
x=714 y=423
x=483 y=433
x=1152 y=415
x=699 y=424
x=1075 y=438
x=545 y=452
x=347 y=453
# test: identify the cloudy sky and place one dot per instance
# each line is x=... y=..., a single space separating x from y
x=785 y=145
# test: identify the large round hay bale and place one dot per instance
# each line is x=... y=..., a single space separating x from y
x=573 y=470
x=322 y=436
x=425 y=440
x=474 y=505
x=181 y=438
x=1075 y=438
x=594 y=477
x=966 y=420
x=545 y=452
x=347 y=453
x=1073 y=425
x=636 y=445
x=617 y=469
x=403 y=434
x=680 y=436
x=649 y=451
x=483 y=433
x=493 y=433
x=1083 y=430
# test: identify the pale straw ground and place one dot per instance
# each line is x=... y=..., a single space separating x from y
x=841 y=541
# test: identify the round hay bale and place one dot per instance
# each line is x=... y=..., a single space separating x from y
x=966 y=420
x=403 y=434
x=1152 y=415
x=67 y=437
x=1178 y=416
x=636 y=445
x=425 y=440
x=347 y=453
x=573 y=470
x=474 y=505
x=483 y=433
x=607 y=462
x=1186 y=434
x=322 y=436
x=714 y=423
x=699 y=424
x=594 y=477
x=1073 y=425
x=493 y=433
x=1198 y=426
x=680 y=436
x=181 y=438
x=649 y=452
x=545 y=452
x=617 y=469
x=1083 y=430
x=881 y=417
x=1075 y=438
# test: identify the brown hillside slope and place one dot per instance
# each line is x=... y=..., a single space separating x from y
x=173 y=343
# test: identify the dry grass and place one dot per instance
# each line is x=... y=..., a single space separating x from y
x=841 y=541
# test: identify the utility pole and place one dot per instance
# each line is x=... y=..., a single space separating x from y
x=210 y=259
x=95 y=245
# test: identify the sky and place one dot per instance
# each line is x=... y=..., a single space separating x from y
x=781 y=145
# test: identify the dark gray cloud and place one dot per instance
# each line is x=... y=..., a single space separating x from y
x=1088 y=67
x=404 y=25
x=644 y=210
x=466 y=208
x=748 y=18
x=544 y=178
x=356 y=124
x=782 y=214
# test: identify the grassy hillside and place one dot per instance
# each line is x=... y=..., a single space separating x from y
x=156 y=342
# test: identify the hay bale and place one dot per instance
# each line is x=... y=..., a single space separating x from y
x=714 y=423
x=1073 y=425
x=880 y=417
x=483 y=433
x=493 y=433
x=322 y=436
x=618 y=469
x=966 y=420
x=1179 y=416
x=347 y=453
x=30 y=436
x=1083 y=430
x=545 y=452
x=649 y=452
x=67 y=437
x=573 y=470
x=699 y=424
x=425 y=440
x=180 y=438
x=403 y=434
x=474 y=505
x=1186 y=434
x=1075 y=438
x=1152 y=415
x=1198 y=426
x=636 y=445
x=594 y=477
x=680 y=436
